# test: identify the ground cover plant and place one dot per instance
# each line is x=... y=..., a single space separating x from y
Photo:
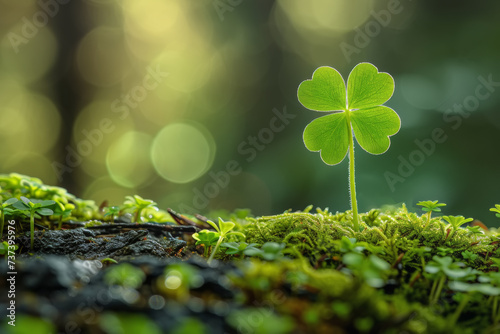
x=388 y=270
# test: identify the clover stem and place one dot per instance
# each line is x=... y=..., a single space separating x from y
x=215 y=249
x=32 y=227
x=453 y=319
x=2 y=221
x=352 y=183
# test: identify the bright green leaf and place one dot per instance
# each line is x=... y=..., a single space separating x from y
x=360 y=109
x=328 y=129
x=367 y=87
x=324 y=92
x=373 y=126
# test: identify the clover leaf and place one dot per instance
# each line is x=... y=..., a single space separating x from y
x=355 y=111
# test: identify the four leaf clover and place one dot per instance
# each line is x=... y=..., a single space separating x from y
x=355 y=111
x=358 y=110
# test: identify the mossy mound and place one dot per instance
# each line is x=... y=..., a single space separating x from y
x=399 y=272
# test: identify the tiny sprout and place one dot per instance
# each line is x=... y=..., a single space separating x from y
x=112 y=211
x=4 y=209
x=456 y=222
x=138 y=204
x=224 y=229
x=207 y=239
x=355 y=111
x=63 y=210
x=429 y=207
x=34 y=208
x=468 y=255
x=496 y=209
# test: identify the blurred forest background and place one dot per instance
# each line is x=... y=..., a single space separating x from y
x=193 y=103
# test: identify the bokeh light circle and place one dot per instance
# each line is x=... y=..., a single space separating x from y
x=128 y=161
x=30 y=122
x=18 y=57
x=182 y=152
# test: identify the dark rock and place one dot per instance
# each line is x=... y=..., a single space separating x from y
x=86 y=244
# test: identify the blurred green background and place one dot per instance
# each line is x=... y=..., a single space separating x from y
x=193 y=103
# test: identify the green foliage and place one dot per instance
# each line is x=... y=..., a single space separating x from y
x=468 y=255
x=238 y=248
x=206 y=238
x=4 y=209
x=137 y=204
x=440 y=269
x=4 y=248
x=269 y=251
x=371 y=269
x=63 y=211
x=34 y=209
x=112 y=211
x=356 y=111
x=429 y=207
x=125 y=275
x=126 y=323
x=456 y=222
x=496 y=209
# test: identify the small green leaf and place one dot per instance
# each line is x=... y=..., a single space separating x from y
x=45 y=212
x=211 y=223
x=324 y=92
x=367 y=87
x=330 y=129
x=225 y=227
x=373 y=126
x=47 y=203
x=10 y=201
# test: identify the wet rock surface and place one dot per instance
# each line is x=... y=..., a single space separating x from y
x=89 y=244
x=78 y=297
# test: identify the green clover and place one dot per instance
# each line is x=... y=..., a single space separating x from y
x=354 y=112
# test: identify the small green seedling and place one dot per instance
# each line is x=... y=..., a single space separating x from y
x=429 y=207
x=468 y=289
x=496 y=209
x=372 y=269
x=224 y=229
x=355 y=111
x=269 y=251
x=440 y=269
x=112 y=211
x=4 y=209
x=5 y=248
x=456 y=222
x=238 y=248
x=206 y=238
x=34 y=209
x=468 y=255
x=138 y=204
x=63 y=210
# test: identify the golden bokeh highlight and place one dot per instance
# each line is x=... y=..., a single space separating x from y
x=182 y=152
x=30 y=122
x=92 y=120
x=128 y=160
